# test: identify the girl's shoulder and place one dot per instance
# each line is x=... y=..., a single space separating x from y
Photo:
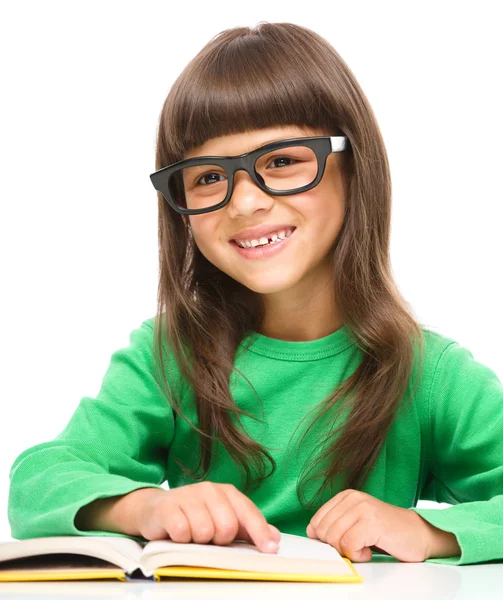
x=447 y=362
x=435 y=343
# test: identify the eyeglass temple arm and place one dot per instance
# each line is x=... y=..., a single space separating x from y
x=339 y=142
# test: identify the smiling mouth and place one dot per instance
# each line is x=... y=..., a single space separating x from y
x=270 y=241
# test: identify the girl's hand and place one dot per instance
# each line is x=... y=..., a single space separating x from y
x=354 y=522
x=204 y=512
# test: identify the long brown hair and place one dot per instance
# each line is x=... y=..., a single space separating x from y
x=251 y=78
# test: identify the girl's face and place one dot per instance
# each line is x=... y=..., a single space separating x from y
x=317 y=214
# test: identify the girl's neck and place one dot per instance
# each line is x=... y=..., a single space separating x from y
x=301 y=315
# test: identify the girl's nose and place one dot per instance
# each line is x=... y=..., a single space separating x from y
x=246 y=195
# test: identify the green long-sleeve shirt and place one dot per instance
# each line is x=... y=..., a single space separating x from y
x=447 y=446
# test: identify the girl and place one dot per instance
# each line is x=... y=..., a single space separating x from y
x=283 y=384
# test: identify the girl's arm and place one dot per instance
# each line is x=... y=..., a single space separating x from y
x=466 y=456
x=113 y=444
x=117 y=513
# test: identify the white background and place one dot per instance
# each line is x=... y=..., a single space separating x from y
x=83 y=84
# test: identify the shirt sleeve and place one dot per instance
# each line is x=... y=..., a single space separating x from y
x=113 y=444
x=466 y=447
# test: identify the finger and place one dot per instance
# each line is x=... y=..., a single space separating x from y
x=252 y=523
x=333 y=526
x=356 y=543
x=222 y=514
x=339 y=510
x=311 y=532
x=321 y=512
x=177 y=526
x=275 y=532
x=200 y=521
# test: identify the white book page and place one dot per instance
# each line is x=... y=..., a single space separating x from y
x=290 y=546
x=123 y=552
x=295 y=554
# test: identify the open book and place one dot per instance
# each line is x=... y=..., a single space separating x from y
x=107 y=557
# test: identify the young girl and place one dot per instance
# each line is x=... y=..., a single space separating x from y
x=283 y=385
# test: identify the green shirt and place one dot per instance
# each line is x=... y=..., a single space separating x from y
x=447 y=446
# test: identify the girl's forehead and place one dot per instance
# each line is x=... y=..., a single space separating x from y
x=239 y=143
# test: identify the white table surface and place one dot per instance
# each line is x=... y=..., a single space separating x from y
x=383 y=580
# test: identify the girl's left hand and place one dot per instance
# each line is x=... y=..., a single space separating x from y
x=354 y=522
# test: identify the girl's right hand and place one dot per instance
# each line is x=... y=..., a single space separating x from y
x=204 y=512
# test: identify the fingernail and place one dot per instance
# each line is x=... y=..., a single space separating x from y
x=271 y=546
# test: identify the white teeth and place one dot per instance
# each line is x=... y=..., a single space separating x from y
x=281 y=235
x=261 y=242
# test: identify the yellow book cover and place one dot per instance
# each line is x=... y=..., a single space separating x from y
x=61 y=558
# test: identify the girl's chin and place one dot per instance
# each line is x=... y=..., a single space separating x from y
x=262 y=286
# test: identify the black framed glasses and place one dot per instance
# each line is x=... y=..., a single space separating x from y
x=203 y=184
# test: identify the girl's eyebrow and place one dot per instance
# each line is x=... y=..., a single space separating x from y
x=256 y=147
x=270 y=142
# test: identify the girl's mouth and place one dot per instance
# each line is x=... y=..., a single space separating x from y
x=266 y=251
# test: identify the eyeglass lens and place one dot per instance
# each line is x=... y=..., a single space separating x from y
x=204 y=186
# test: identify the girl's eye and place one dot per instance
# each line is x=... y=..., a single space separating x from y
x=213 y=175
x=283 y=158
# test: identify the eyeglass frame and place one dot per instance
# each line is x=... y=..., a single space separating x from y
x=322 y=146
